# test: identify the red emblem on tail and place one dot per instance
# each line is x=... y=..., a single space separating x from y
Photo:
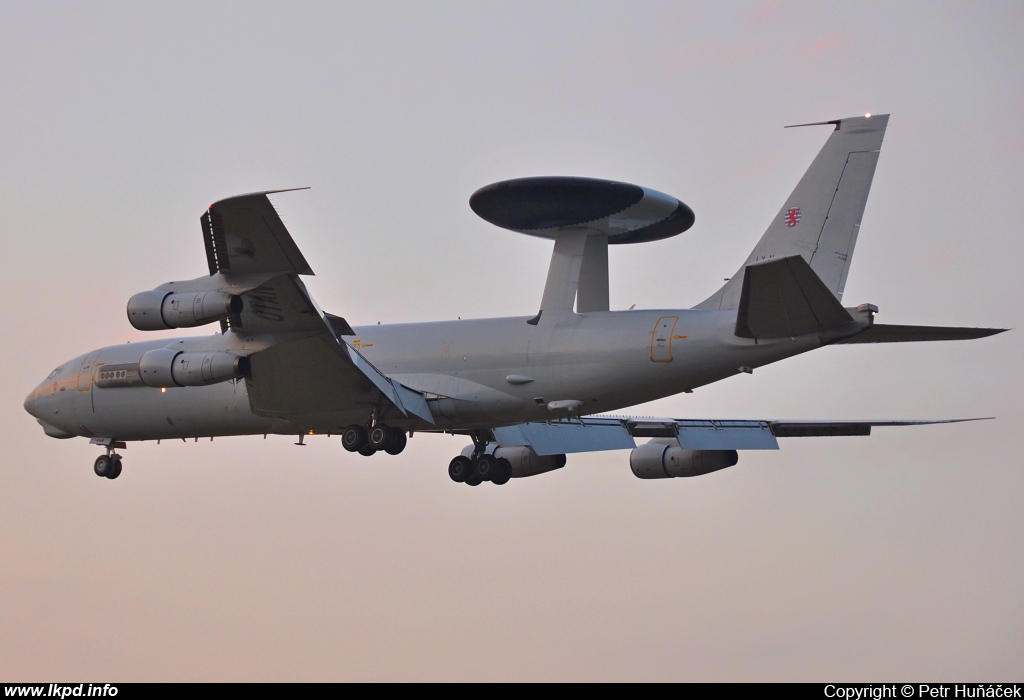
x=792 y=217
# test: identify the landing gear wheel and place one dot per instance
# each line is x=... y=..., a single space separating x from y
x=486 y=467
x=103 y=465
x=458 y=468
x=473 y=479
x=367 y=450
x=378 y=436
x=115 y=469
x=502 y=472
x=353 y=438
x=396 y=442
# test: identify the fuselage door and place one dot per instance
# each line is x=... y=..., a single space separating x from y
x=661 y=339
x=85 y=373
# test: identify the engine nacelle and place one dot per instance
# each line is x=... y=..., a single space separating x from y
x=525 y=462
x=666 y=460
x=158 y=311
x=166 y=367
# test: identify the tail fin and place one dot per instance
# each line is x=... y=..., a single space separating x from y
x=821 y=218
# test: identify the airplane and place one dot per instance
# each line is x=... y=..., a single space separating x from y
x=525 y=390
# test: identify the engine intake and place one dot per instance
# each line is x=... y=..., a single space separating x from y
x=166 y=367
x=158 y=311
x=666 y=460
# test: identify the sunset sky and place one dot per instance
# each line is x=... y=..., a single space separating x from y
x=897 y=556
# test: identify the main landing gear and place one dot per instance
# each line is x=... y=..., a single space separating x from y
x=376 y=438
x=108 y=466
x=480 y=467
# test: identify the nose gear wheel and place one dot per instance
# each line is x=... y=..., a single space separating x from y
x=107 y=466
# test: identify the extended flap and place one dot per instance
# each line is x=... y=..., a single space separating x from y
x=561 y=437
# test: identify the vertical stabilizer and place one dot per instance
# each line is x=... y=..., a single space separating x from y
x=821 y=218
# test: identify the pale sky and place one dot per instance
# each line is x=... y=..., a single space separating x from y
x=890 y=557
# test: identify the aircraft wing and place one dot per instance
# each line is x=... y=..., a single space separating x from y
x=311 y=369
x=319 y=374
x=245 y=235
x=280 y=304
x=598 y=433
x=307 y=368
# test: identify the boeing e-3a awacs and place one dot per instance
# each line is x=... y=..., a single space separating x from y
x=526 y=390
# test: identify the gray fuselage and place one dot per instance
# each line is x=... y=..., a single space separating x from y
x=474 y=373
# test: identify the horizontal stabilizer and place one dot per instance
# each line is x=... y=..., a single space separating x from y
x=783 y=298
x=881 y=333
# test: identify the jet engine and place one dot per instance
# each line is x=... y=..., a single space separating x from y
x=166 y=367
x=158 y=311
x=525 y=462
x=664 y=459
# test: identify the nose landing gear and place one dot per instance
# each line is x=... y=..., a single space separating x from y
x=107 y=466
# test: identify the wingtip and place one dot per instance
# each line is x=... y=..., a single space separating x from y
x=836 y=122
x=290 y=189
x=256 y=194
x=989 y=332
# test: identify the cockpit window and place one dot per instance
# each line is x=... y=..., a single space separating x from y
x=55 y=372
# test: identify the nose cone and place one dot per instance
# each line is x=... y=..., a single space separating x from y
x=32 y=404
x=39 y=406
